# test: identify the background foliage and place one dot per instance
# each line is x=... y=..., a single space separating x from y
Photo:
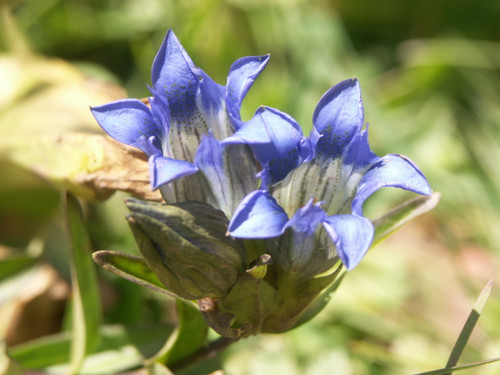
x=429 y=72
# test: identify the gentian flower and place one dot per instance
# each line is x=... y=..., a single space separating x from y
x=182 y=128
x=313 y=189
x=205 y=159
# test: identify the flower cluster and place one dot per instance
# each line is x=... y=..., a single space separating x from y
x=296 y=201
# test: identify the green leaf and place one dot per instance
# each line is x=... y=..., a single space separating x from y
x=121 y=348
x=131 y=268
x=403 y=213
x=189 y=336
x=86 y=312
x=43 y=352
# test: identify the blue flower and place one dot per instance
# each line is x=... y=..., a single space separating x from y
x=182 y=128
x=314 y=188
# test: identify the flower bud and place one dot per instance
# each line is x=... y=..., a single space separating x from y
x=186 y=247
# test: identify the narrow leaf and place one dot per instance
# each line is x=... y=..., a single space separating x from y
x=131 y=268
x=403 y=213
x=86 y=311
x=43 y=352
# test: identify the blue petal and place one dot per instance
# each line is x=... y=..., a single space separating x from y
x=196 y=102
x=249 y=133
x=212 y=96
x=160 y=110
x=338 y=117
x=283 y=153
x=163 y=170
x=359 y=152
x=150 y=146
x=209 y=160
x=303 y=238
x=171 y=60
x=307 y=218
x=175 y=74
x=241 y=76
x=258 y=216
x=126 y=121
x=352 y=236
x=228 y=170
x=390 y=171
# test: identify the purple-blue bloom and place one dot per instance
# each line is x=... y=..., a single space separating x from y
x=317 y=185
x=182 y=128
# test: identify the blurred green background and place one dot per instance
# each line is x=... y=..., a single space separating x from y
x=429 y=71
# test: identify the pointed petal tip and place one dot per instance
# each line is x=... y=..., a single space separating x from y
x=352 y=235
x=338 y=117
x=163 y=170
x=392 y=170
x=258 y=216
x=126 y=120
x=171 y=57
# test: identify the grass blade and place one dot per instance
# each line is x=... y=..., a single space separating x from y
x=464 y=337
x=468 y=366
x=469 y=325
x=86 y=312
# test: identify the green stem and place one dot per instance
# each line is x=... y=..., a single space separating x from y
x=209 y=351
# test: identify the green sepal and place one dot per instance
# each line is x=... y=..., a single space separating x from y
x=322 y=299
x=242 y=311
x=186 y=247
x=300 y=300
